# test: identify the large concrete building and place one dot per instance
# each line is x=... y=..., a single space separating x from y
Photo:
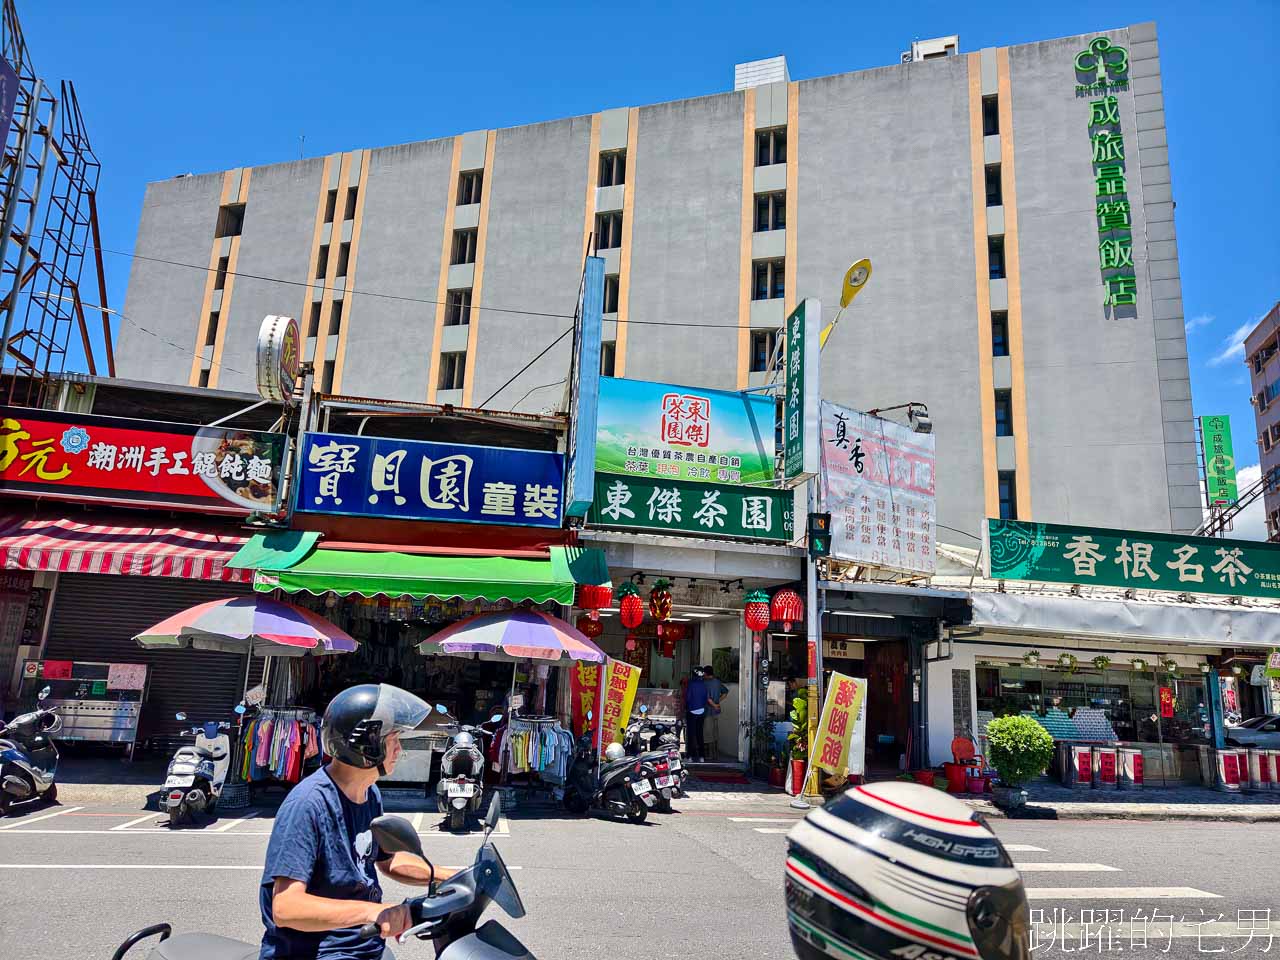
x=1015 y=202
x=1260 y=349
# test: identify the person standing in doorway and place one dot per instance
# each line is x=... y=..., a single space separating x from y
x=695 y=705
x=716 y=692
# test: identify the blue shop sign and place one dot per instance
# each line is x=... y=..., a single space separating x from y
x=416 y=480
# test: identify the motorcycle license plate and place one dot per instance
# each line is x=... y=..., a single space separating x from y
x=640 y=787
x=461 y=789
x=665 y=781
x=179 y=781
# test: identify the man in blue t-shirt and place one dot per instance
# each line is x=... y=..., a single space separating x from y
x=320 y=885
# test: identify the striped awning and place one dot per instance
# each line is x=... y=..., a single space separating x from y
x=104 y=545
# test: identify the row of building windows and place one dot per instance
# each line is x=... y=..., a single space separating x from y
x=349 y=207
x=1270 y=437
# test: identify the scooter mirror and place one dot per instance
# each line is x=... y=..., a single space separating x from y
x=644 y=708
x=495 y=718
x=396 y=835
x=495 y=810
x=441 y=708
x=179 y=715
x=240 y=708
x=44 y=694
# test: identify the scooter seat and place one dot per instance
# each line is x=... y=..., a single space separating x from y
x=203 y=946
x=205 y=753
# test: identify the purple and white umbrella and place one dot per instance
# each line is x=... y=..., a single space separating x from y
x=514 y=635
x=258 y=625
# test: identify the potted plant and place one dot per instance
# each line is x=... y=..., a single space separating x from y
x=798 y=741
x=1019 y=749
x=1102 y=661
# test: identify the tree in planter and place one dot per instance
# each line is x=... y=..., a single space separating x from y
x=1019 y=748
x=798 y=738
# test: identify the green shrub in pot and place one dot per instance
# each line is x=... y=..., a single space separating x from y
x=1019 y=748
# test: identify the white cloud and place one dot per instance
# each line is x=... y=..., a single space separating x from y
x=1232 y=345
x=1195 y=323
x=1251 y=522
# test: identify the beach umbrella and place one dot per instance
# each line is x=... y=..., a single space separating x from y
x=257 y=624
x=514 y=635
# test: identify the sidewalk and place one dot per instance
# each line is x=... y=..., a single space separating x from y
x=1048 y=801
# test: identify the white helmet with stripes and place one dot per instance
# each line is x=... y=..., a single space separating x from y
x=899 y=871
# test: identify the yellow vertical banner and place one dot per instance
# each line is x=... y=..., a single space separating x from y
x=843 y=726
x=621 y=682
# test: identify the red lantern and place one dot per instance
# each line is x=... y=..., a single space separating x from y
x=593 y=598
x=756 y=612
x=668 y=648
x=660 y=602
x=787 y=607
x=590 y=628
x=673 y=632
x=631 y=641
x=630 y=606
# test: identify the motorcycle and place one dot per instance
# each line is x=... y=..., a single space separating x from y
x=658 y=742
x=449 y=916
x=623 y=788
x=461 y=786
x=28 y=757
x=193 y=782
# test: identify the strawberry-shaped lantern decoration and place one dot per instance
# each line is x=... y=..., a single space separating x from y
x=630 y=606
x=787 y=607
x=756 y=612
x=660 y=602
x=590 y=628
x=593 y=598
x=631 y=641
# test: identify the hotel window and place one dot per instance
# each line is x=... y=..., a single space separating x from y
x=330 y=205
x=453 y=367
x=762 y=346
x=335 y=318
x=613 y=168
x=608 y=356
x=608 y=231
x=1004 y=414
x=204 y=377
x=353 y=194
x=313 y=324
x=469 y=184
x=771 y=211
x=1008 y=496
x=211 y=332
x=220 y=279
x=344 y=259
x=1000 y=334
x=230 y=220
x=457 y=308
x=768 y=279
x=995 y=257
x=611 y=293
x=326 y=377
x=771 y=146
x=464 y=247
x=322 y=261
x=990 y=116
x=995 y=196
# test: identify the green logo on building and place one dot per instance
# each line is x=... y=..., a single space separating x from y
x=1108 y=63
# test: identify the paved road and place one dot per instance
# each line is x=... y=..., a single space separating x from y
x=705 y=882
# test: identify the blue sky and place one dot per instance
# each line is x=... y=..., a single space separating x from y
x=172 y=88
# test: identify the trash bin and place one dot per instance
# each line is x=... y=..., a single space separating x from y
x=1228 y=770
x=1105 y=776
x=1131 y=768
x=955 y=773
x=1260 y=769
x=1081 y=770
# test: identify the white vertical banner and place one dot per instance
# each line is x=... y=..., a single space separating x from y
x=877 y=481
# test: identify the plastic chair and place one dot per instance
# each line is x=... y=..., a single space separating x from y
x=964 y=751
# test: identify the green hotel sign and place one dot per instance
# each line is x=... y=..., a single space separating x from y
x=1219 y=459
x=660 y=505
x=1056 y=553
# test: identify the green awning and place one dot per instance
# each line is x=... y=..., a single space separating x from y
x=391 y=574
x=277 y=550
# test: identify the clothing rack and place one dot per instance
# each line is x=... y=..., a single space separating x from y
x=277 y=743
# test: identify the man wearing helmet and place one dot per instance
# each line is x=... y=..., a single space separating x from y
x=319 y=885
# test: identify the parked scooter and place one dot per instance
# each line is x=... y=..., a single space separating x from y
x=450 y=915
x=460 y=789
x=624 y=788
x=193 y=782
x=28 y=757
x=658 y=742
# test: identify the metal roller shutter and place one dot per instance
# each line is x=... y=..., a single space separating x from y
x=95 y=618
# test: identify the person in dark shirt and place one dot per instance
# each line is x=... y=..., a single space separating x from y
x=319 y=884
x=696 y=704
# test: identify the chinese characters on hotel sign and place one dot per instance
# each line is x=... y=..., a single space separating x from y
x=1219 y=459
x=416 y=480
x=1105 y=68
x=676 y=506
x=877 y=481
x=1056 y=553
x=46 y=453
x=800 y=405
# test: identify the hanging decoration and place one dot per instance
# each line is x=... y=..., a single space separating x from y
x=1101 y=661
x=630 y=606
x=1171 y=665
x=660 y=602
x=672 y=634
x=786 y=607
x=756 y=612
x=1068 y=661
x=1138 y=664
x=631 y=641
x=593 y=598
x=589 y=628
x=1031 y=658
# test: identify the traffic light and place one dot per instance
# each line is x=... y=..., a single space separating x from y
x=819 y=535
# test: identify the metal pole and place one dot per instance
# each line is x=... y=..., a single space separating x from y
x=813 y=636
x=11 y=211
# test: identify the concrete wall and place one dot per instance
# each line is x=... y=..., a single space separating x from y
x=895 y=185
x=177 y=224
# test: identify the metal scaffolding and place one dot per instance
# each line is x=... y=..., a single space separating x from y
x=48 y=177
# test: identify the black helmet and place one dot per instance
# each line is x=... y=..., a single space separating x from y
x=359 y=719
x=897 y=871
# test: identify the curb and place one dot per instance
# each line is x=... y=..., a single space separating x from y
x=1146 y=812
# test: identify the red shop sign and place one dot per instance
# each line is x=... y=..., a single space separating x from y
x=46 y=453
x=1107 y=766
x=1166 y=702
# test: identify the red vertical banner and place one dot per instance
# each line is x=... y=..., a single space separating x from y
x=1166 y=702
x=584 y=686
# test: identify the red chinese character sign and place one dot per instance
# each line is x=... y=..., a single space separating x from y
x=584 y=689
x=46 y=453
x=1166 y=702
x=840 y=743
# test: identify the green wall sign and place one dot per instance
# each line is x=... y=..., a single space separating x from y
x=1101 y=68
x=1056 y=553
x=679 y=507
x=1219 y=459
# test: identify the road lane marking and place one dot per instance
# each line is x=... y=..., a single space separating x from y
x=765 y=819
x=1065 y=868
x=417 y=821
x=256 y=867
x=770 y=830
x=141 y=819
x=45 y=816
x=1024 y=848
x=224 y=827
x=1119 y=893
